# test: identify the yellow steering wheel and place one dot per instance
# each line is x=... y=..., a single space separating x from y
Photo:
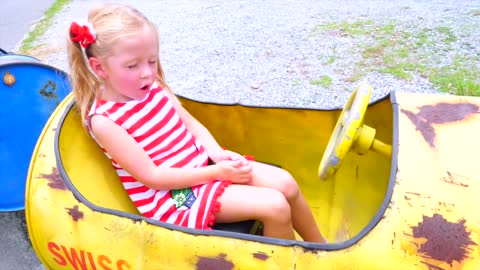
x=346 y=131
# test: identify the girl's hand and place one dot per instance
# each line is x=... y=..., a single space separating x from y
x=227 y=155
x=235 y=171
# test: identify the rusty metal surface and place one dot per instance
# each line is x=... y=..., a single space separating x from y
x=440 y=113
x=445 y=241
x=439 y=179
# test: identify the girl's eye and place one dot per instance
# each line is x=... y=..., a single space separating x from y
x=152 y=62
x=132 y=66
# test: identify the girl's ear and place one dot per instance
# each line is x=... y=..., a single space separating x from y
x=98 y=67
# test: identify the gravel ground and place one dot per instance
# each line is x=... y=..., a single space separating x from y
x=294 y=53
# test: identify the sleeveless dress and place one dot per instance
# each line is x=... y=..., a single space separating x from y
x=156 y=126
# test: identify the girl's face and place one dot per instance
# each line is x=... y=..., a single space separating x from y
x=131 y=69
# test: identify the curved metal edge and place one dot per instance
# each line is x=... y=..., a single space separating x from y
x=380 y=99
x=12 y=209
x=261 y=239
x=391 y=182
x=58 y=71
x=6 y=59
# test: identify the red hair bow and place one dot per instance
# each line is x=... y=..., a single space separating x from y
x=82 y=34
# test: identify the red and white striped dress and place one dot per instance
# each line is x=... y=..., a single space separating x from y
x=154 y=123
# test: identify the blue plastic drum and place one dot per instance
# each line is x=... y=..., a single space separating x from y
x=29 y=93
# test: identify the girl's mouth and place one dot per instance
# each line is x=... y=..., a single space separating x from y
x=146 y=87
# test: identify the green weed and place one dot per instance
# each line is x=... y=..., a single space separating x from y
x=449 y=36
x=324 y=81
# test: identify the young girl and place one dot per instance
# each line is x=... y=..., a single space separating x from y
x=160 y=152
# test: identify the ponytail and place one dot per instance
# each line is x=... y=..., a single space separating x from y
x=84 y=84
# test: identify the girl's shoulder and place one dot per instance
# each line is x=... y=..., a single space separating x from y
x=108 y=107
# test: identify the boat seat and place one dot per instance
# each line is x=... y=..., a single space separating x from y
x=247 y=226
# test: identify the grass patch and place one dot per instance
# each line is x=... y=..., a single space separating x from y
x=374 y=51
x=401 y=70
x=448 y=34
x=457 y=78
x=42 y=26
x=404 y=50
x=345 y=28
x=423 y=38
x=459 y=82
x=327 y=59
x=324 y=81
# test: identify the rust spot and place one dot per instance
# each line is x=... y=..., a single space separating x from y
x=217 y=263
x=440 y=113
x=9 y=79
x=135 y=221
x=425 y=128
x=451 y=180
x=261 y=256
x=55 y=179
x=407 y=199
x=445 y=204
x=446 y=241
x=314 y=251
x=432 y=267
x=48 y=90
x=75 y=213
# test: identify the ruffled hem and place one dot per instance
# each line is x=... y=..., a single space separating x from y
x=215 y=206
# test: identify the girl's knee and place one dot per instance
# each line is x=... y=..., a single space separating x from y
x=278 y=208
x=288 y=186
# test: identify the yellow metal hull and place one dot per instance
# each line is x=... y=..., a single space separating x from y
x=411 y=211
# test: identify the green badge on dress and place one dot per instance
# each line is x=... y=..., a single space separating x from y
x=182 y=197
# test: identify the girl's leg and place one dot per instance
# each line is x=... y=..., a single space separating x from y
x=276 y=178
x=241 y=202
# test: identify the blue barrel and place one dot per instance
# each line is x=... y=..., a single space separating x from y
x=29 y=93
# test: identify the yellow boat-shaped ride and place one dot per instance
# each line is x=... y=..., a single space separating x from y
x=409 y=204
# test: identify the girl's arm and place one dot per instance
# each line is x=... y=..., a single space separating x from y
x=214 y=150
x=132 y=158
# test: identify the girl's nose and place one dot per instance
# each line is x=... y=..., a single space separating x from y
x=146 y=72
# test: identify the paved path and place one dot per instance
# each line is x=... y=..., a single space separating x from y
x=17 y=17
x=16 y=252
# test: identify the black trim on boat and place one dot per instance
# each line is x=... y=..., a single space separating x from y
x=249 y=237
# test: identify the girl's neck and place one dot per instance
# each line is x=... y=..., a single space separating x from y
x=108 y=94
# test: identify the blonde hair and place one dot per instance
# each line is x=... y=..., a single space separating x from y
x=110 y=22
